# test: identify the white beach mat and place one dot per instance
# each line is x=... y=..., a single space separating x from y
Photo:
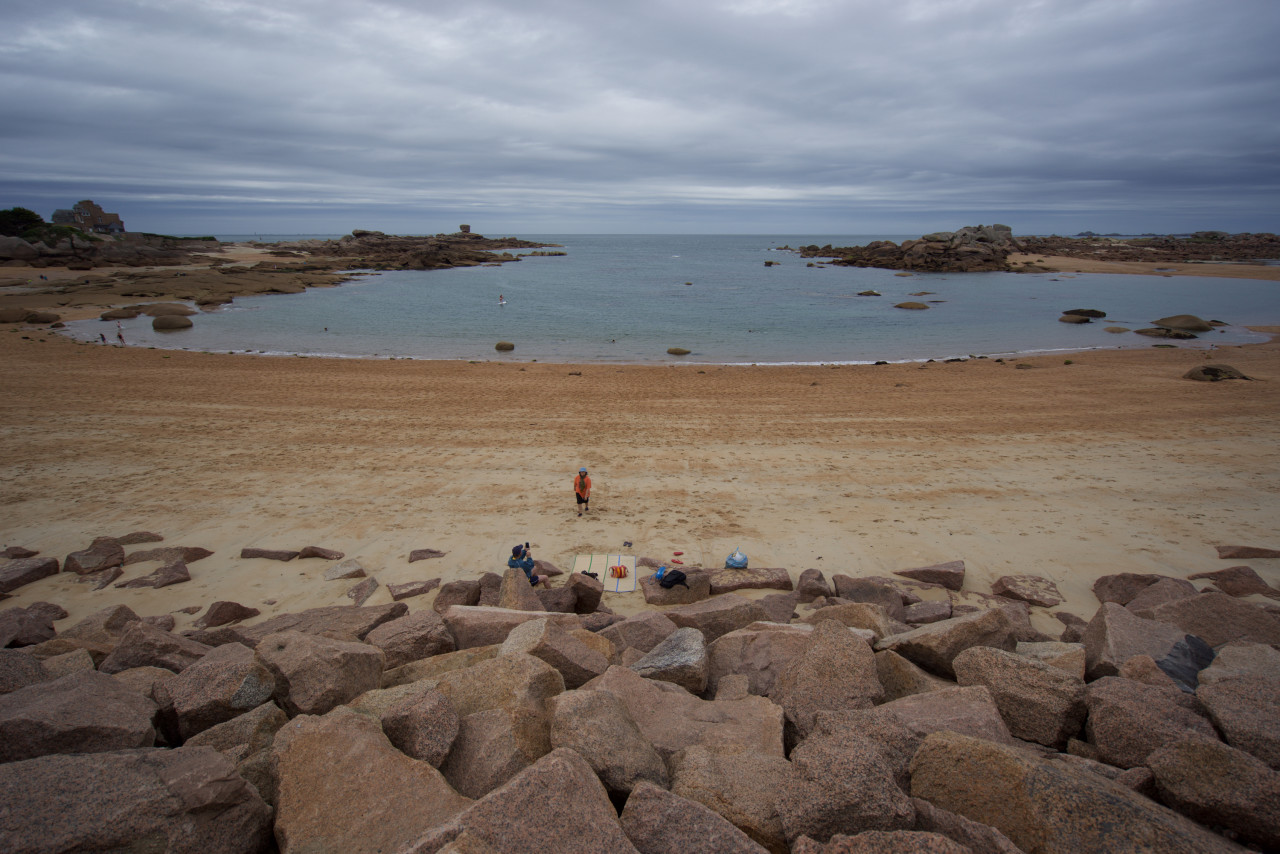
x=599 y=564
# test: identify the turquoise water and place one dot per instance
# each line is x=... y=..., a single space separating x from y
x=627 y=298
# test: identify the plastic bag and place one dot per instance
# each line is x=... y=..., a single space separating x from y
x=737 y=560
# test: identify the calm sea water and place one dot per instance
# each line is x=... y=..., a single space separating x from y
x=627 y=298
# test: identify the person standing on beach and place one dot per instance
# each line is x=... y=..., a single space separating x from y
x=120 y=333
x=582 y=491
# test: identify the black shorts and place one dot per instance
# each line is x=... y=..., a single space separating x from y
x=581 y=500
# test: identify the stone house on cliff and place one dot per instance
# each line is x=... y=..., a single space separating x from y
x=88 y=216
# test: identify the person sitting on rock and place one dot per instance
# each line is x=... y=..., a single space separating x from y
x=520 y=559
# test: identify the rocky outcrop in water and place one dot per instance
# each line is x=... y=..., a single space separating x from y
x=974 y=248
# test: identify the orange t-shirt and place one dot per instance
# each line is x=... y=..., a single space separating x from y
x=580 y=488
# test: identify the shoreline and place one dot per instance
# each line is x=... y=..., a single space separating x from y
x=1113 y=463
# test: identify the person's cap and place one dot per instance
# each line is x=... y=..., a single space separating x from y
x=582 y=471
x=516 y=551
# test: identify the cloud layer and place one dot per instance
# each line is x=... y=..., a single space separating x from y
x=790 y=116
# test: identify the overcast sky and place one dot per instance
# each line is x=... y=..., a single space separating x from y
x=711 y=116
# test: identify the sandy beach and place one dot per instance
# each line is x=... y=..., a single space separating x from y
x=1112 y=463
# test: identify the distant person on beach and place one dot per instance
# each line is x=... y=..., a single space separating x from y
x=520 y=559
x=120 y=333
x=582 y=491
x=103 y=336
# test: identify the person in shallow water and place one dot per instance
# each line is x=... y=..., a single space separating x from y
x=582 y=491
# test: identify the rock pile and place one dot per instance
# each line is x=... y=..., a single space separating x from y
x=971 y=249
x=711 y=725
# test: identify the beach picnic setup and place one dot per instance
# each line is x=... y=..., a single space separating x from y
x=617 y=572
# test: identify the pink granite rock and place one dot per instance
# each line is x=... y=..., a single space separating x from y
x=659 y=822
x=421 y=634
x=17 y=573
x=169 y=574
x=1218 y=618
x=422 y=725
x=168 y=554
x=425 y=554
x=463 y=592
x=597 y=726
x=729 y=580
x=222 y=613
x=412 y=588
x=482 y=625
x=1246 y=552
x=1122 y=587
x=1045 y=806
x=360 y=593
x=85 y=712
x=643 y=632
x=545 y=640
x=319 y=552
x=1129 y=720
x=813 y=585
x=717 y=616
x=1220 y=786
x=313 y=674
x=267 y=554
x=761 y=652
x=1164 y=590
x=1238 y=581
x=741 y=786
x=144 y=645
x=333 y=620
x=103 y=553
x=186 y=800
x=1038 y=702
x=950 y=574
x=836 y=671
x=1032 y=589
x=681 y=659
x=696 y=588
x=226 y=682
x=935 y=645
x=344 y=787
x=1115 y=635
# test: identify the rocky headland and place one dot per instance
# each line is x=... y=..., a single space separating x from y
x=752 y=710
x=72 y=275
x=989 y=247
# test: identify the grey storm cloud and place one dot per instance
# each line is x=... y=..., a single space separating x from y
x=740 y=115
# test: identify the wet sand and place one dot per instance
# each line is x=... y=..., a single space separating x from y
x=1112 y=463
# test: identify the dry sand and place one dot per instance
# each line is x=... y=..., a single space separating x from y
x=1113 y=463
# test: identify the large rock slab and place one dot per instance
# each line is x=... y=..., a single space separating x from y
x=1032 y=589
x=24 y=627
x=597 y=726
x=333 y=620
x=718 y=616
x=836 y=671
x=977 y=837
x=867 y=590
x=1245 y=552
x=1164 y=590
x=642 y=632
x=1238 y=581
x=105 y=626
x=587 y=592
x=729 y=580
x=492 y=746
x=483 y=625
x=1220 y=786
x=969 y=710
x=672 y=719
x=462 y=592
x=1241 y=691
x=223 y=613
x=681 y=659
x=1038 y=702
x=696 y=588
x=1122 y=587
x=659 y=822
x=17 y=573
x=841 y=784
x=517 y=593
x=1049 y=806
x=761 y=652
x=185 y=801
x=512 y=681
x=227 y=682
x=813 y=585
x=246 y=740
x=344 y=787
x=1129 y=720
x=1065 y=656
x=950 y=574
x=421 y=634
x=313 y=673
x=1115 y=635
x=857 y=615
x=901 y=678
x=1218 y=618
x=144 y=645
x=422 y=725
x=430 y=668
x=555 y=806
x=741 y=787
x=935 y=646
x=18 y=670
x=103 y=553
x=545 y=640
x=85 y=712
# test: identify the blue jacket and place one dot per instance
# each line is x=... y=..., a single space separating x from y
x=527 y=565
